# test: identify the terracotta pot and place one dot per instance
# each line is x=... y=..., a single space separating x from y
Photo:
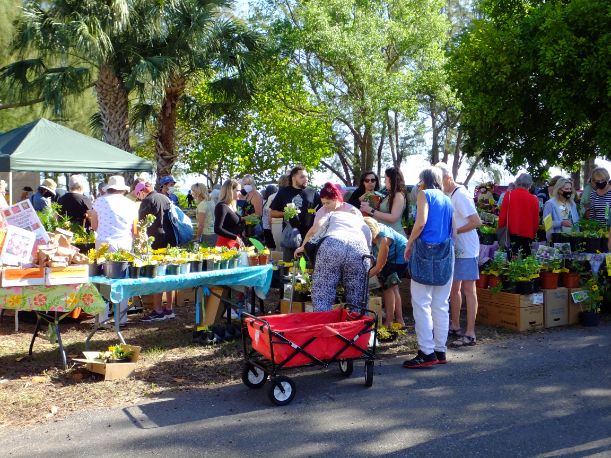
x=253 y=260
x=263 y=259
x=493 y=281
x=570 y=280
x=549 y=280
x=483 y=281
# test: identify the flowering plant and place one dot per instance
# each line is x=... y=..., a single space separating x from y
x=115 y=352
x=291 y=211
x=594 y=290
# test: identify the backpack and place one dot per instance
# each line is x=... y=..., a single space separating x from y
x=181 y=224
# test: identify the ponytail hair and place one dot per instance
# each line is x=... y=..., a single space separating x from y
x=331 y=191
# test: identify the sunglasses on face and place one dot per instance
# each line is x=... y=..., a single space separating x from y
x=370 y=180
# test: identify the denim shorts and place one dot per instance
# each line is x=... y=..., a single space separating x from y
x=466 y=269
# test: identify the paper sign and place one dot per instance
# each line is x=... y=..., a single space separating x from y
x=537 y=298
x=22 y=215
x=17 y=248
x=548 y=223
x=579 y=296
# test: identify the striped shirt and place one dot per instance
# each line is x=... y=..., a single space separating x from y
x=599 y=207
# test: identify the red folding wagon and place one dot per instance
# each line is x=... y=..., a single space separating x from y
x=279 y=342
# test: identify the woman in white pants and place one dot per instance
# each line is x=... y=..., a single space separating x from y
x=432 y=234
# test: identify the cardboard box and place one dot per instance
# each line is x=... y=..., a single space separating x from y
x=573 y=308
x=276 y=255
x=213 y=307
x=298 y=307
x=376 y=304
x=556 y=307
x=110 y=371
x=511 y=311
x=185 y=295
x=517 y=318
x=66 y=275
x=17 y=276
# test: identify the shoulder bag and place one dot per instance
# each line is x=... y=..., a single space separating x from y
x=311 y=247
x=432 y=263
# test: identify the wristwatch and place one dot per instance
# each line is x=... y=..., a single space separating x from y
x=373 y=210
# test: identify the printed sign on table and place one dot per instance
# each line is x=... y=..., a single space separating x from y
x=22 y=215
x=17 y=247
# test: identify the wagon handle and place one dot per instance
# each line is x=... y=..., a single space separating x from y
x=255 y=318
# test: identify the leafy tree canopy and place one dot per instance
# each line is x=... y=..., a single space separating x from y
x=535 y=81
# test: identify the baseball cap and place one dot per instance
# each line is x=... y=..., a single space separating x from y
x=139 y=187
x=167 y=179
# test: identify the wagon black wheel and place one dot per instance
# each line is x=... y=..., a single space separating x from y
x=368 y=373
x=253 y=376
x=346 y=366
x=281 y=391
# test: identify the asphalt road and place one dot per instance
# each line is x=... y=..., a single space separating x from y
x=544 y=394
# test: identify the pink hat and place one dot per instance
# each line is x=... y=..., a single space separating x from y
x=139 y=187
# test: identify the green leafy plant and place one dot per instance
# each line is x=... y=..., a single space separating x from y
x=119 y=256
x=290 y=211
x=485 y=229
x=523 y=269
x=595 y=293
x=114 y=353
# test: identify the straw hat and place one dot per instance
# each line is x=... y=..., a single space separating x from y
x=116 y=182
x=49 y=185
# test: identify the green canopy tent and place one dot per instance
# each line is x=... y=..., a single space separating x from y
x=43 y=146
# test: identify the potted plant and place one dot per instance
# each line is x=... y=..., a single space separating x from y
x=590 y=305
x=250 y=223
x=291 y=213
x=550 y=273
x=116 y=354
x=261 y=250
x=117 y=263
x=521 y=273
x=487 y=235
x=570 y=276
x=253 y=258
x=494 y=270
x=96 y=260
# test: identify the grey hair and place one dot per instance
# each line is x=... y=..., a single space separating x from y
x=431 y=177
x=524 y=181
x=445 y=170
x=76 y=182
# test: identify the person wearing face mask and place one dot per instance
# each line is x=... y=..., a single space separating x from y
x=562 y=208
x=167 y=188
x=600 y=196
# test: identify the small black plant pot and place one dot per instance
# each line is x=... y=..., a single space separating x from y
x=95 y=269
x=172 y=269
x=301 y=297
x=592 y=244
x=116 y=269
x=196 y=266
x=524 y=287
x=559 y=237
x=120 y=360
x=487 y=239
x=133 y=271
x=589 y=318
x=149 y=271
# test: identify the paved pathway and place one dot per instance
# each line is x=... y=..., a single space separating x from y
x=544 y=394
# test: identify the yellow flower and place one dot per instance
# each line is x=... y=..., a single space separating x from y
x=14 y=301
x=594 y=287
x=72 y=299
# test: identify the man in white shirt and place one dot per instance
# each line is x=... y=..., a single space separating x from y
x=466 y=271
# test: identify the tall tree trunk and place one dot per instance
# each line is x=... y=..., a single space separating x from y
x=588 y=166
x=435 y=134
x=457 y=149
x=165 y=137
x=114 y=108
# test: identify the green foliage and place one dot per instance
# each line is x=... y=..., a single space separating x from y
x=523 y=269
x=535 y=82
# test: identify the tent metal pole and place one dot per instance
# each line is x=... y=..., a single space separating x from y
x=10 y=187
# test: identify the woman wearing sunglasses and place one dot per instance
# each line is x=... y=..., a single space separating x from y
x=393 y=205
x=368 y=182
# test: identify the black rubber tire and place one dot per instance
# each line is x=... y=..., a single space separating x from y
x=346 y=367
x=253 y=376
x=368 y=373
x=281 y=390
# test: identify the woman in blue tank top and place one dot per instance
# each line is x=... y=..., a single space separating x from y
x=433 y=226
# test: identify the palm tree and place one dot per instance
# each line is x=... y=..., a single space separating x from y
x=194 y=38
x=75 y=47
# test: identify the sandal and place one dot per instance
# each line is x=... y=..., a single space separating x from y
x=464 y=341
x=455 y=333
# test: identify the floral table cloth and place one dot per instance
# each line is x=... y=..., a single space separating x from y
x=59 y=298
